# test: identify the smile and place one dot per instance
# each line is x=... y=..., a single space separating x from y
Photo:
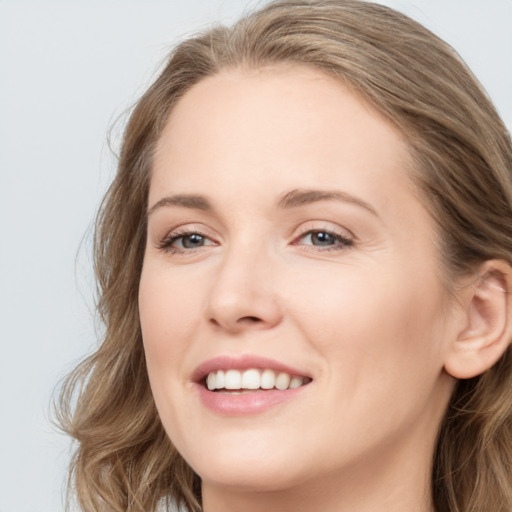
x=252 y=379
x=247 y=384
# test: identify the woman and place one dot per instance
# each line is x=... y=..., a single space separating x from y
x=304 y=264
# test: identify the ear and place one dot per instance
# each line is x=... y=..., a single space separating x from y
x=486 y=322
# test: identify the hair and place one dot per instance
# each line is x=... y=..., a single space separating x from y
x=462 y=156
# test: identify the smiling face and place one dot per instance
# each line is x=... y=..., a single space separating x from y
x=285 y=237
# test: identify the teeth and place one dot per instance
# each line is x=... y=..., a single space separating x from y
x=282 y=381
x=220 y=380
x=268 y=379
x=210 y=381
x=296 y=382
x=233 y=380
x=253 y=379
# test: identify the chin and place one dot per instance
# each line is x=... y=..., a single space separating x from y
x=248 y=465
x=251 y=476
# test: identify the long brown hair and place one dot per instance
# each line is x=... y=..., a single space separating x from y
x=124 y=461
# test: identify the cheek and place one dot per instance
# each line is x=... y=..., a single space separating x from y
x=380 y=340
x=169 y=316
x=371 y=323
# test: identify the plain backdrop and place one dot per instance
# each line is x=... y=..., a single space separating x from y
x=68 y=70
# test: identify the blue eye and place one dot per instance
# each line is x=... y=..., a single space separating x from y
x=184 y=242
x=325 y=239
x=321 y=238
x=189 y=241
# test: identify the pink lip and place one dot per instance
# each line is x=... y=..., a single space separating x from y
x=245 y=404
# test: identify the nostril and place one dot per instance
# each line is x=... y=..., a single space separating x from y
x=250 y=319
x=242 y=321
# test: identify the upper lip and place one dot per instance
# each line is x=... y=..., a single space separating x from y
x=244 y=362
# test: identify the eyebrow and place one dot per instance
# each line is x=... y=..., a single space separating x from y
x=191 y=201
x=301 y=197
x=292 y=199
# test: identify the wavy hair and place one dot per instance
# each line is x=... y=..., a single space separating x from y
x=124 y=461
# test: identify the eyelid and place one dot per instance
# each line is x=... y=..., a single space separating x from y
x=344 y=238
x=342 y=241
x=323 y=226
x=165 y=243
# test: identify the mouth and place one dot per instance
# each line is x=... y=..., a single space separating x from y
x=244 y=385
x=233 y=381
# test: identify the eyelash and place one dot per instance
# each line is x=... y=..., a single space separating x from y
x=343 y=242
x=166 y=243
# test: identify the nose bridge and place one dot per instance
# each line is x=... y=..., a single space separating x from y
x=243 y=293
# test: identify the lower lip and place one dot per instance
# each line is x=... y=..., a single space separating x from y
x=247 y=403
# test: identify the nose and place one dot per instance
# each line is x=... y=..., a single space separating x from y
x=244 y=294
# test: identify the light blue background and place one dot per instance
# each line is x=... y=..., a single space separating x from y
x=68 y=69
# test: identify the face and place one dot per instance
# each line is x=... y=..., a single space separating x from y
x=287 y=249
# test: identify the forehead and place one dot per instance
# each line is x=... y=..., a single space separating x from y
x=287 y=126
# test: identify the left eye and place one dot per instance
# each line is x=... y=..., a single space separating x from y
x=189 y=241
x=324 y=239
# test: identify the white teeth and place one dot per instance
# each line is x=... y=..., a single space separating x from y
x=252 y=379
x=210 y=381
x=268 y=379
x=233 y=380
x=220 y=380
x=282 y=381
x=296 y=382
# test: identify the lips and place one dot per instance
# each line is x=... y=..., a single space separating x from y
x=247 y=384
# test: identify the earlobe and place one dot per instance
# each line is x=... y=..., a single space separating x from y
x=487 y=328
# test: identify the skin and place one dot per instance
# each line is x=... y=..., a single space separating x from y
x=370 y=320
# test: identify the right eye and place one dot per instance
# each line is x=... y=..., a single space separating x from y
x=184 y=242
